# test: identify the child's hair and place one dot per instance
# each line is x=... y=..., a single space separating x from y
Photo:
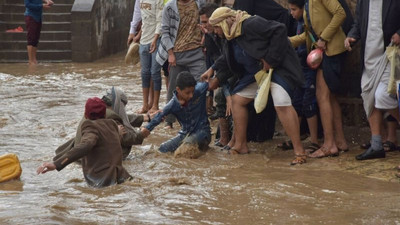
x=298 y=3
x=208 y=9
x=184 y=80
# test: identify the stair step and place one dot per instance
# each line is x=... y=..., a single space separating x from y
x=55 y=2
x=41 y=55
x=56 y=8
x=46 y=26
x=54 y=17
x=43 y=45
x=45 y=35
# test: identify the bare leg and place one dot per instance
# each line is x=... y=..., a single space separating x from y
x=391 y=131
x=240 y=120
x=156 y=99
x=151 y=95
x=290 y=122
x=375 y=122
x=145 y=106
x=323 y=97
x=341 y=142
x=223 y=131
x=313 y=127
x=32 y=54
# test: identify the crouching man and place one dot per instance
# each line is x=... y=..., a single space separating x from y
x=99 y=149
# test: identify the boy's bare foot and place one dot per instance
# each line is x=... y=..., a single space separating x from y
x=142 y=110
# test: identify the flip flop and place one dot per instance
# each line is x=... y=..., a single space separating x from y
x=286 y=145
x=365 y=145
x=389 y=146
x=226 y=147
x=233 y=151
x=312 y=148
x=298 y=159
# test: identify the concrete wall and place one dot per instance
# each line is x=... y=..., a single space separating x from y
x=99 y=28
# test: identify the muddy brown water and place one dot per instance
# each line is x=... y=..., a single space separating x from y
x=41 y=108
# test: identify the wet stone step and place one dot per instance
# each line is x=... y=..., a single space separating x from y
x=22 y=1
x=55 y=17
x=45 y=35
x=43 y=45
x=41 y=54
x=56 y=8
x=46 y=26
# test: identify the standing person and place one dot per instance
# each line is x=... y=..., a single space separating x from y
x=99 y=149
x=151 y=13
x=323 y=21
x=181 y=42
x=377 y=23
x=253 y=40
x=33 y=21
x=304 y=100
x=189 y=106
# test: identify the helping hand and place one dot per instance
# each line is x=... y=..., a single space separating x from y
x=45 y=168
x=348 y=42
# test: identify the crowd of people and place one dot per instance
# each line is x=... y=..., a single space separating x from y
x=210 y=46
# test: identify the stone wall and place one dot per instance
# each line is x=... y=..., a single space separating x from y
x=99 y=28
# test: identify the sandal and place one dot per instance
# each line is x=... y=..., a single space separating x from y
x=325 y=153
x=233 y=151
x=286 y=145
x=389 y=146
x=298 y=159
x=312 y=148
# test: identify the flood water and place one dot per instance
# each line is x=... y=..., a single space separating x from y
x=41 y=108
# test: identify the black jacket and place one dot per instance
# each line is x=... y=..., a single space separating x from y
x=265 y=39
x=390 y=22
x=269 y=10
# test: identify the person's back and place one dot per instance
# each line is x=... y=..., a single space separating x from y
x=102 y=166
x=99 y=149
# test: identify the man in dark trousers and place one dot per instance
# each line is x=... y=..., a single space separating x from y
x=378 y=24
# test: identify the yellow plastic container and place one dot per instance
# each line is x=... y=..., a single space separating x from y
x=10 y=168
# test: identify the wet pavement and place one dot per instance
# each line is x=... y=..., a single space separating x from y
x=41 y=108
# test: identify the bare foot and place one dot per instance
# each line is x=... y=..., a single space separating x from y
x=153 y=110
x=142 y=110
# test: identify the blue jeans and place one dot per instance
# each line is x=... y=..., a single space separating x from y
x=201 y=137
x=150 y=67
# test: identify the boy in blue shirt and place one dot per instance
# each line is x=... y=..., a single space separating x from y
x=188 y=105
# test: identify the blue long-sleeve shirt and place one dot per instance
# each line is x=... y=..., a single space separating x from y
x=192 y=116
x=34 y=8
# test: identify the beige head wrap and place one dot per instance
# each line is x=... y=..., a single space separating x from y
x=229 y=20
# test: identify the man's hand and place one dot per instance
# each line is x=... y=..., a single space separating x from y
x=130 y=39
x=213 y=84
x=45 y=168
x=171 y=58
x=121 y=130
x=396 y=39
x=348 y=42
x=206 y=75
x=145 y=132
x=228 y=106
x=266 y=66
x=321 y=44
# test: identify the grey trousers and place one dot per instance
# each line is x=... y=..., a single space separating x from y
x=192 y=61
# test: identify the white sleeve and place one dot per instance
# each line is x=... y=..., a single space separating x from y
x=136 y=17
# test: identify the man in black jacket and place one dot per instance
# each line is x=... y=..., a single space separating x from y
x=378 y=24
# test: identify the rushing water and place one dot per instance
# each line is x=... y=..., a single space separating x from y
x=41 y=107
